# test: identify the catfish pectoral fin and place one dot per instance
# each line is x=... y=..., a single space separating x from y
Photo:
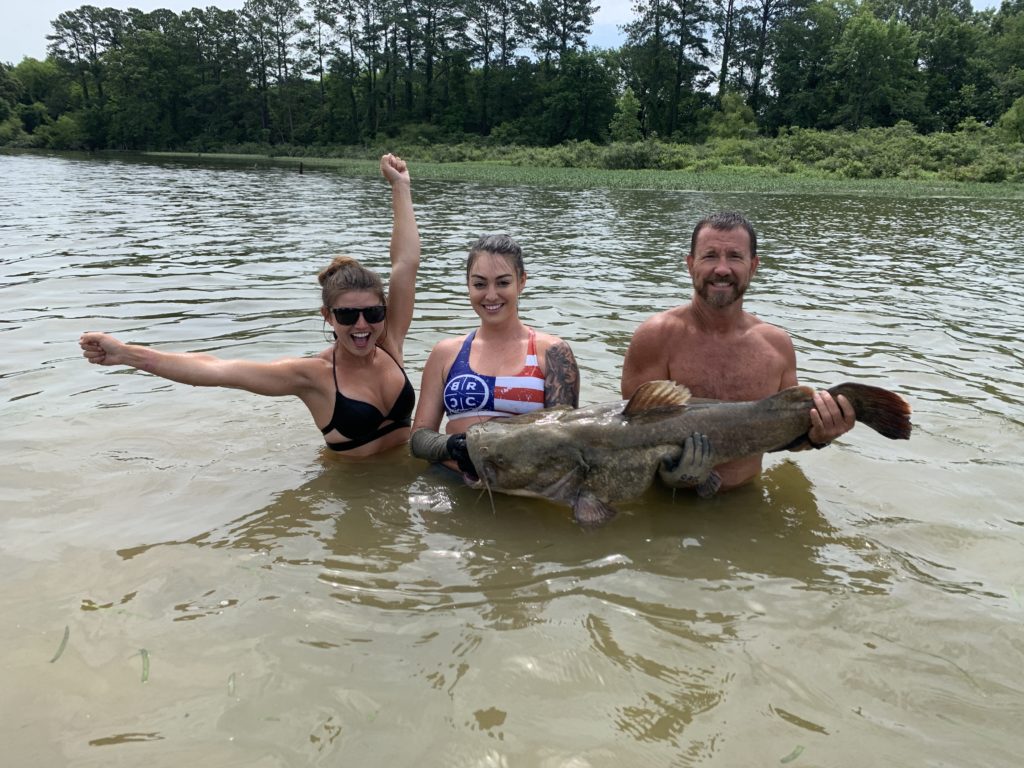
x=592 y=511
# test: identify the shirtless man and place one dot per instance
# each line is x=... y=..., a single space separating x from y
x=717 y=350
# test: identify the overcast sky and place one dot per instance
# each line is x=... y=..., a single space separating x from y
x=24 y=24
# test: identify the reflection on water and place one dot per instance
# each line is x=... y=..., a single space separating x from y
x=294 y=609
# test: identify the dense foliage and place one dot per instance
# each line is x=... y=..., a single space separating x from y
x=494 y=73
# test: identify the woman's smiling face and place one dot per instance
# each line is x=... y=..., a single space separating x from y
x=494 y=286
x=361 y=336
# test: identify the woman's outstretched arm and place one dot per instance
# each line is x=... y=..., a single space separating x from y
x=293 y=376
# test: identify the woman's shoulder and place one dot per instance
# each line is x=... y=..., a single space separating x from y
x=311 y=372
x=451 y=343
x=447 y=348
x=314 y=366
x=546 y=341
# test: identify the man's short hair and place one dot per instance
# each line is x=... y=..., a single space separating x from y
x=724 y=221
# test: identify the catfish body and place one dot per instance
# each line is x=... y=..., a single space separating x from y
x=592 y=456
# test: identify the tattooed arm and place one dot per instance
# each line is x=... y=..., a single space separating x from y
x=562 y=379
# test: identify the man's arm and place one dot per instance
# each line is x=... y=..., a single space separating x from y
x=830 y=417
x=646 y=358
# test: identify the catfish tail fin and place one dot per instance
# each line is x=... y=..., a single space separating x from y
x=885 y=412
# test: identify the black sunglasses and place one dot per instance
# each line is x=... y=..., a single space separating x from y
x=350 y=315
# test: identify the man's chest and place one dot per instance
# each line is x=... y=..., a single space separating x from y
x=737 y=372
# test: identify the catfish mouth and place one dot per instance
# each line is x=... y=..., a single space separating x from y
x=471 y=478
x=486 y=474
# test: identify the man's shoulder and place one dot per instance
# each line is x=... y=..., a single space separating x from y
x=666 y=321
x=771 y=334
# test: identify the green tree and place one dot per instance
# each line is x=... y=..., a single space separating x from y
x=804 y=80
x=1012 y=121
x=665 y=63
x=44 y=82
x=79 y=43
x=147 y=84
x=224 y=105
x=346 y=110
x=562 y=26
x=957 y=81
x=735 y=119
x=579 y=100
x=316 y=45
x=625 y=124
x=440 y=27
x=66 y=133
x=259 y=50
x=79 y=40
x=919 y=14
x=1005 y=52
x=874 y=66
x=493 y=31
x=10 y=91
x=725 y=19
x=281 y=20
x=756 y=44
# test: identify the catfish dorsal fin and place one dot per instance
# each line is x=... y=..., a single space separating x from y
x=655 y=395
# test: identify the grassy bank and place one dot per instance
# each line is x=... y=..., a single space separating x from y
x=726 y=178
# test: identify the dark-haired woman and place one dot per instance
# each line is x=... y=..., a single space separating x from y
x=503 y=368
x=357 y=391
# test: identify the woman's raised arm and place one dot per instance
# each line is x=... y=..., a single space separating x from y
x=405 y=251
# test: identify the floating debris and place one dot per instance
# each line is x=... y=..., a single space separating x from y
x=63 y=644
x=797 y=751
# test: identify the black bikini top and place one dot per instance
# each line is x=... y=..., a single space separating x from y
x=360 y=421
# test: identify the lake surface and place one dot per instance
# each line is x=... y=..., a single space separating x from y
x=232 y=594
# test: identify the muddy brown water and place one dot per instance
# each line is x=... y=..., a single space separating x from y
x=232 y=594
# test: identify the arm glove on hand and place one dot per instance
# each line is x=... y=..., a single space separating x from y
x=693 y=468
x=433 y=446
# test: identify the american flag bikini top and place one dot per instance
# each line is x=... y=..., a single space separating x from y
x=467 y=392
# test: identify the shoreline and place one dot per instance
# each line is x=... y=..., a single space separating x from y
x=742 y=179
x=737 y=179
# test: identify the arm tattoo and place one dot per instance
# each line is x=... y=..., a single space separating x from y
x=562 y=381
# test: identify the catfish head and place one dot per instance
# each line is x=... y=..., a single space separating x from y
x=543 y=459
x=540 y=461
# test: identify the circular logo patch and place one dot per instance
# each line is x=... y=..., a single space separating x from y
x=467 y=392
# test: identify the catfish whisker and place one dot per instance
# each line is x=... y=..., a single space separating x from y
x=490 y=495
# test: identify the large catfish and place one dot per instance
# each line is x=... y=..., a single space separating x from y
x=592 y=456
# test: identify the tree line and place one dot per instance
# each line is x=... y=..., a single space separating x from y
x=353 y=72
